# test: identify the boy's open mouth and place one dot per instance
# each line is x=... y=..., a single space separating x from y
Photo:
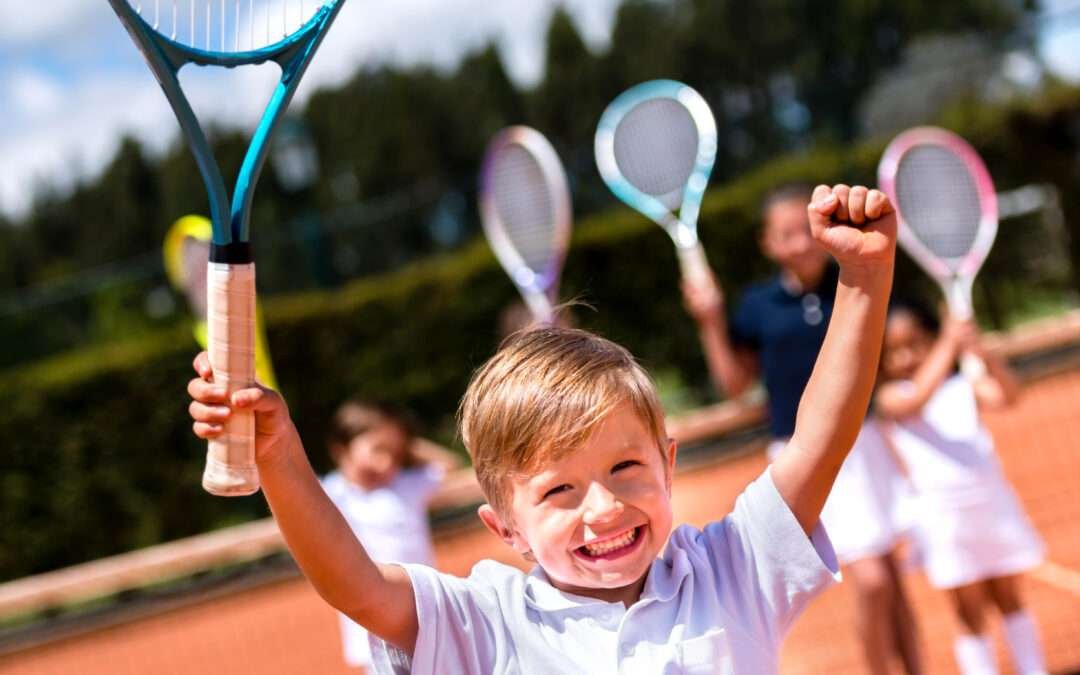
x=615 y=547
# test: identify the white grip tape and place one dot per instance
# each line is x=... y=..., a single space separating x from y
x=972 y=367
x=695 y=268
x=230 y=458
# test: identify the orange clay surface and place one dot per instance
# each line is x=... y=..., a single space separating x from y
x=285 y=629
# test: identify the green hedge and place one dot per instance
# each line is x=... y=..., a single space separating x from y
x=101 y=457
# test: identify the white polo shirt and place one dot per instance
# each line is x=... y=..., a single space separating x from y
x=719 y=600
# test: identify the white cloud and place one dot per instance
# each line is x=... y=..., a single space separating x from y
x=22 y=24
x=76 y=83
x=32 y=93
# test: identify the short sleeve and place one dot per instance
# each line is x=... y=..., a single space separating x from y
x=765 y=563
x=421 y=482
x=744 y=328
x=456 y=619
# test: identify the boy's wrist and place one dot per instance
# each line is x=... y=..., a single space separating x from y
x=278 y=455
x=873 y=276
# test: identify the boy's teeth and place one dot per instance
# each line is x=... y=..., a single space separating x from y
x=612 y=544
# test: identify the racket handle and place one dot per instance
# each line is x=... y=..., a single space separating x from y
x=230 y=458
x=972 y=367
x=539 y=306
x=692 y=262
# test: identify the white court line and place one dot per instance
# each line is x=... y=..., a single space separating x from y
x=1058 y=576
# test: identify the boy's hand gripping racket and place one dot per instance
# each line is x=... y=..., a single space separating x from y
x=525 y=210
x=655 y=147
x=229 y=33
x=947 y=211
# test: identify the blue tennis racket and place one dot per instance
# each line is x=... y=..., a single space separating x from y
x=655 y=148
x=229 y=33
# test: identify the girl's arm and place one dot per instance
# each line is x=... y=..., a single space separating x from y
x=378 y=597
x=430 y=452
x=895 y=400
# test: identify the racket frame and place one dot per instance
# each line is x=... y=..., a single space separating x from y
x=681 y=228
x=539 y=288
x=230 y=468
x=955 y=275
x=166 y=57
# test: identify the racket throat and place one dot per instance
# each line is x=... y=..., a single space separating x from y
x=958 y=297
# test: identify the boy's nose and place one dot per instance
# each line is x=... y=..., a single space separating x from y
x=601 y=504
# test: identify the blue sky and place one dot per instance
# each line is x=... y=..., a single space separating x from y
x=74 y=82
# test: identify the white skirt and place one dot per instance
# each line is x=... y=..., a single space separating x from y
x=983 y=536
x=867 y=510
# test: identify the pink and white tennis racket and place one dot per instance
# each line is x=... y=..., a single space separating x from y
x=947 y=212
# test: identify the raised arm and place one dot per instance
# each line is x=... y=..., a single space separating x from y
x=732 y=370
x=900 y=399
x=378 y=597
x=429 y=452
x=858 y=227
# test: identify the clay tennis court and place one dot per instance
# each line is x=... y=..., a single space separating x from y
x=283 y=628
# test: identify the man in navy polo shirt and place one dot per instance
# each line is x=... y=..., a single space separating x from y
x=775 y=332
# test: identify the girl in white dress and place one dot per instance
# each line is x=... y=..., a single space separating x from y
x=384 y=480
x=970 y=527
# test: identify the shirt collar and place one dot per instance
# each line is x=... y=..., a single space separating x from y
x=666 y=577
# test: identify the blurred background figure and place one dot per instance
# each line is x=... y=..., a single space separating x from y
x=972 y=532
x=384 y=479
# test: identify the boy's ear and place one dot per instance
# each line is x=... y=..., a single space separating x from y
x=500 y=529
x=495 y=524
x=672 y=451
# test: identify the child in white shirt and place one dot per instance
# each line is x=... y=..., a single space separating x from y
x=384 y=479
x=972 y=532
x=568 y=441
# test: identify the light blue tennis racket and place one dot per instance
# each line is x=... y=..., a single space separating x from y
x=655 y=148
x=229 y=33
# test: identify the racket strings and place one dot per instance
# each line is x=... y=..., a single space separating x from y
x=939 y=200
x=227 y=26
x=656 y=148
x=525 y=206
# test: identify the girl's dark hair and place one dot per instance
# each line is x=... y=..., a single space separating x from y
x=355 y=417
x=926 y=318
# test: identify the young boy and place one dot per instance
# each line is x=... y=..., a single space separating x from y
x=568 y=441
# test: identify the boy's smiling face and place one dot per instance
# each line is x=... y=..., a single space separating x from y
x=596 y=518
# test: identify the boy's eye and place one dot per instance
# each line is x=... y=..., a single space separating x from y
x=625 y=465
x=556 y=490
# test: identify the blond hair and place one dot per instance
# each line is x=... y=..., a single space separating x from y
x=541 y=396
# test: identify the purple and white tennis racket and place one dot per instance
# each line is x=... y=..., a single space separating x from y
x=525 y=210
x=947 y=211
